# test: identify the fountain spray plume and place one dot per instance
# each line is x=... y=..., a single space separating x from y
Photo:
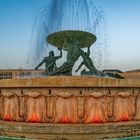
x=60 y=15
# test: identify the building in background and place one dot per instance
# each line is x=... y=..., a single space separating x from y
x=19 y=73
x=133 y=74
x=25 y=73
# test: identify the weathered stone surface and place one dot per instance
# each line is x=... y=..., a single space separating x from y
x=69 y=132
x=69 y=81
x=71 y=108
x=69 y=105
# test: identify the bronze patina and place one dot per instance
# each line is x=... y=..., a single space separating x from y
x=71 y=41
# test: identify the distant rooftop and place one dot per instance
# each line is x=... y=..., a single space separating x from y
x=132 y=71
x=113 y=70
x=20 y=69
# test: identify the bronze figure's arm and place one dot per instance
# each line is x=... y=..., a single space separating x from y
x=88 y=50
x=40 y=64
x=60 y=56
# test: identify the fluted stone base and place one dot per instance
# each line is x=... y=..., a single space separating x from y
x=69 y=131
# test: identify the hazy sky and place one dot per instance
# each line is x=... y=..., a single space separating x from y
x=123 y=26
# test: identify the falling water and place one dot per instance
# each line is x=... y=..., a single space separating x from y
x=60 y=15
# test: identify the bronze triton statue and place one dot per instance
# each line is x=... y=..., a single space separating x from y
x=87 y=61
x=71 y=41
x=50 y=62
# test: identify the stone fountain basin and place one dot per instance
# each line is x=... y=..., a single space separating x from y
x=69 y=107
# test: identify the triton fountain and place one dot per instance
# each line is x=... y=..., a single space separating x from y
x=60 y=106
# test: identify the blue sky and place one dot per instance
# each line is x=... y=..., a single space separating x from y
x=123 y=21
x=123 y=28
